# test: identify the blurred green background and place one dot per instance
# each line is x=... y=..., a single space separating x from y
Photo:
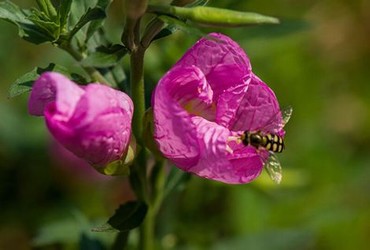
x=317 y=60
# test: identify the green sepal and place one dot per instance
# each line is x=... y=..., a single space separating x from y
x=127 y=217
x=122 y=166
x=105 y=56
x=24 y=83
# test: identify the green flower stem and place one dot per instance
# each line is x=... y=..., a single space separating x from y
x=147 y=228
x=147 y=231
x=139 y=178
x=121 y=240
x=158 y=183
x=138 y=97
x=94 y=73
x=138 y=94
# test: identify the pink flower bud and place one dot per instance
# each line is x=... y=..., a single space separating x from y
x=209 y=96
x=93 y=122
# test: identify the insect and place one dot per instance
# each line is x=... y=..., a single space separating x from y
x=270 y=142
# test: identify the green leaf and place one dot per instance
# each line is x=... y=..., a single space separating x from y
x=64 y=230
x=47 y=7
x=120 y=77
x=63 y=12
x=24 y=83
x=179 y=24
x=44 y=23
x=105 y=56
x=91 y=14
x=176 y=180
x=78 y=10
x=26 y=28
x=128 y=216
x=169 y=30
x=88 y=243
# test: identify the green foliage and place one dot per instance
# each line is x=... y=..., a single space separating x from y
x=176 y=181
x=26 y=28
x=322 y=75
x=50 y=23
x=105 y=57
x=127 y=217
x=24 y=83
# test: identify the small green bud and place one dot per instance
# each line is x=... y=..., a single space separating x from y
x=221 y=17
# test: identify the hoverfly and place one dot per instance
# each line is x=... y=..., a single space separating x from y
x=270 y=142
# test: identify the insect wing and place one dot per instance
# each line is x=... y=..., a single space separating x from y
x=286 y=114
x=278 y=120
x=273 y=168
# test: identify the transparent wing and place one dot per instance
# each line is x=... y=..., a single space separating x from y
x=273 y=168
x=278 y=120
x=286 y=113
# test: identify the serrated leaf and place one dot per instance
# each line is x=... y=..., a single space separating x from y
x=24 y=83
x=128 y=216
x=26 y=28
x=105 y=56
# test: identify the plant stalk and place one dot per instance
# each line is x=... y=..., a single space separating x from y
x=94 y=73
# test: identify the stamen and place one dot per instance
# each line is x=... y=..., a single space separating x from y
x=236 y=139
x=229 y=150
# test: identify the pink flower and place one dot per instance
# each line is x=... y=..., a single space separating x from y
x=210 y=96
x=93 y=122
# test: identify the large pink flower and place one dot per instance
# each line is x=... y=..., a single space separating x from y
x=208 y=97
x=93 y=122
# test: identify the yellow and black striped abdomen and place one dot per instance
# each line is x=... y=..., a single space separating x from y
x=273 y=143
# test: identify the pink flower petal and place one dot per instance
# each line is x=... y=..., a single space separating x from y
x=259 y=109
x=173 y=127
x=52 y=86
x=229 y=101
x=220 y=59
x=94 y=124
x=207 y=98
